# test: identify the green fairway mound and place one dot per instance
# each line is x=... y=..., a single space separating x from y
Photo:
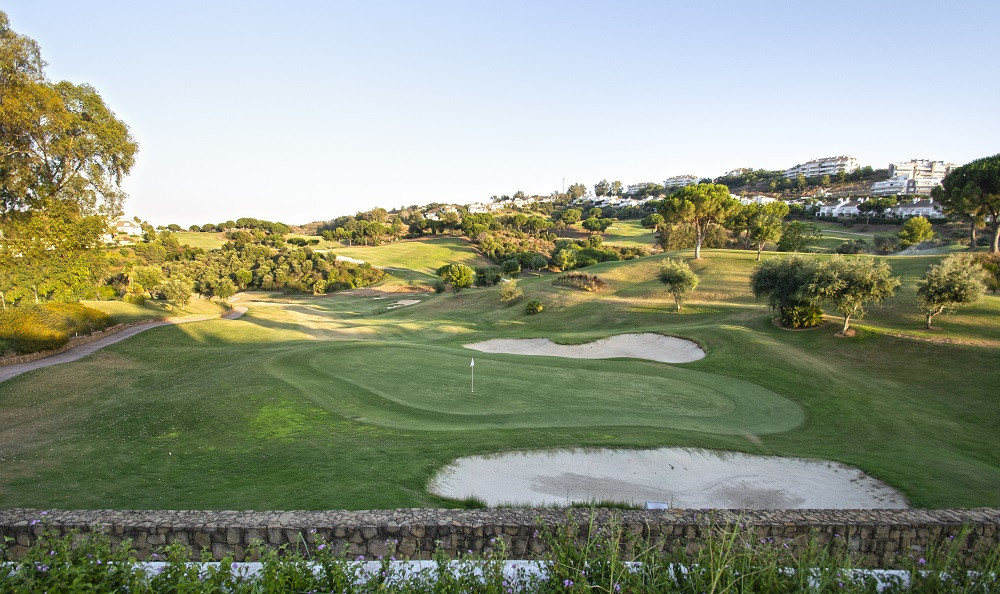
x=425 y=387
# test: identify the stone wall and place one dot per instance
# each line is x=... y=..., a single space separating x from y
x=875 y=536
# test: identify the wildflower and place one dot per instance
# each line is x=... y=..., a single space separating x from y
x=535 y=535
x=42 y=568
x=618 y=587
x=313 y=531
x=321 y=547
x=155 y=556
x=567 y=583
x=44 y=513
x=359 y=558
x=921 y=561
x=51 y=553
x=33 y=522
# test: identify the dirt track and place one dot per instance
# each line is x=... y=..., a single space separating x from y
x=83 y=350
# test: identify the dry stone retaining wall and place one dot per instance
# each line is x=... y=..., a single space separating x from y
x=875 y=536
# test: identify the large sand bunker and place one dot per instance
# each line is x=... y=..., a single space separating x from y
x=648 y=345
x=679 y=477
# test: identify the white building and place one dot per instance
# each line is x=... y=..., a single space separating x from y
x=916 y=176
x=824 y=166
x=916 y=207
x=744 y=200
x=128 y=227
x=638 y=188
x=921 y=169
x=679 y=181
x=892 y=186
x=842 y=208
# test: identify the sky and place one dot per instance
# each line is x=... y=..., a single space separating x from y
x=301 y=111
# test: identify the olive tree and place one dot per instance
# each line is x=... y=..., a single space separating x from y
x=679 y=279
x=955 y=282
x=849 y=284
x=784 y=282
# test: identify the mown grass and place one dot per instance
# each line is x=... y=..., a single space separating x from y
x=338 y=402
x=629 y=234
x=419 y=255
x=197 y=239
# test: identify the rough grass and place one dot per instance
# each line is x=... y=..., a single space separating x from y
x=271 y=411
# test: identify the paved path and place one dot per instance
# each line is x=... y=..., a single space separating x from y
x=78 y=352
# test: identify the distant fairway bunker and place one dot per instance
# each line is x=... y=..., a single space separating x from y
x=427 y=387
x=647 y=345
x=679 y=477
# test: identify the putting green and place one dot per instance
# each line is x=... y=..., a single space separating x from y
x=362 y=381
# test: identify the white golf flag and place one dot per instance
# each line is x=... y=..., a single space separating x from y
x=473 y=364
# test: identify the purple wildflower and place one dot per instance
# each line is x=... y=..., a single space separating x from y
x=359 y=558
x=33 y=522
x=321 y=547
x=567 y=583
x=921 y=561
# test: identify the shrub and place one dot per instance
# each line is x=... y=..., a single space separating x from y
x=510 y=292
x=991 y=264
x=439 y=286
x=579 y=280
x=487 y=276
x=916 y=230
x=511 y=267
x=785 y=285
x=886 y=244
x=532 y=307
x=853 y=246
x=48 y=326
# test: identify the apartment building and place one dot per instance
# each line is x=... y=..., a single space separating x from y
x=916 y=176
x=824 y=166
x=679 y=181
x=921 y=169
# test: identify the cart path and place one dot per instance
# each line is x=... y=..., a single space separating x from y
x=78 y=352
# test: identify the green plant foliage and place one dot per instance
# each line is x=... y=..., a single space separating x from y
x=48 y=326
x=849 y=284
x=678 y=278
x=533 y=307
x=510 y=292
x=916 y=230
x=784 y=282
x=955 y=282
x=579 y=280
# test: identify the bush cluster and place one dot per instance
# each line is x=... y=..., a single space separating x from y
x=533 y=307
x=579 y=280
x=36 y=328
x=577 y=558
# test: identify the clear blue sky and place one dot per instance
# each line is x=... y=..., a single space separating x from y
x=301 y=111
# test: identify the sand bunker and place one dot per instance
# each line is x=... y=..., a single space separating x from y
x=648 y=345
x=679 y=477
x=403 y=303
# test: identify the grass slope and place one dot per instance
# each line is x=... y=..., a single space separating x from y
x=419 y=255
x=338 y=402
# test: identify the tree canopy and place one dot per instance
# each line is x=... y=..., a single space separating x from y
x=63 y=156
x=972 y=192
x=955 y=282
x=701 y=206
x=679 y=279
x=849 y=284
x=784 y=282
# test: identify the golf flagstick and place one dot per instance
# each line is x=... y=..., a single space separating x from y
x=472 y=367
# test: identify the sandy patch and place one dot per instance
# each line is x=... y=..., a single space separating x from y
x=403 y=303
x=679 y=477
x=648 y=345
